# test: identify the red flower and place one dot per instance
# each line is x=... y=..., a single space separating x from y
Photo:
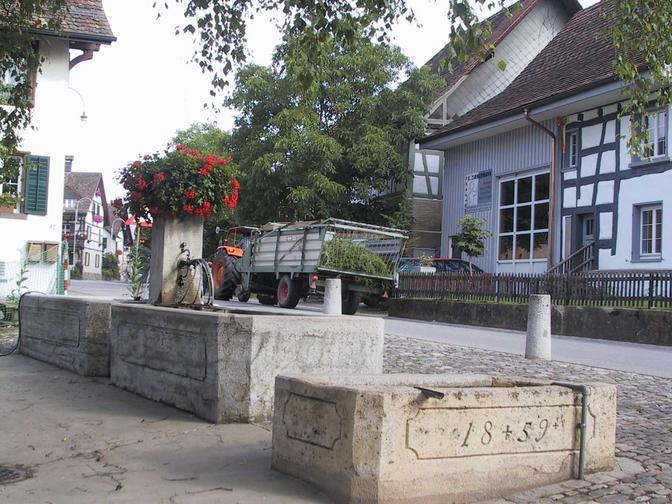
x=154 y=210
x=190 y=195
x=159 y=177
x=207 y=205
x=136 y=164
x=180 y=147
x=235 y=183
x=188 y=208
x=210 y=159
x=136 y=196
x=142 y=184
x=117 y=203
x=204 y=171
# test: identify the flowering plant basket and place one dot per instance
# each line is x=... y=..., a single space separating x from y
x=180 y=182
x=98 y=218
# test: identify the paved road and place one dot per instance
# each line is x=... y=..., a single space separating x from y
x=647 y=359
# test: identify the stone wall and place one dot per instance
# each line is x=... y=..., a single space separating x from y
x=618 y=324
x=222 y=366
x=69 y=332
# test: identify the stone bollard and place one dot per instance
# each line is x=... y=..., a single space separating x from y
x=332 y=297
x=538 y=342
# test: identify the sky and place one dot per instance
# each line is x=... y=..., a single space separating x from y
x=141 y=89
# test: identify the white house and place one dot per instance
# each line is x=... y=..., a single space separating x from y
x=587 y=205
x=86 y=220
x=518 y=36
x=31 y=229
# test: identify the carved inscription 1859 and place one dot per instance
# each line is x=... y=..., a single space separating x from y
x=450 y=432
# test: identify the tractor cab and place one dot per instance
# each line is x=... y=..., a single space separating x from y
x=236 y=240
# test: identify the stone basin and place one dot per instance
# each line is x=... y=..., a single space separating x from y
x=380 y=439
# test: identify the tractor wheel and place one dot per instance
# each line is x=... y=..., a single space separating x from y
x=350 y=302
x=224 y=276
x=244 y=296
x=267 y=299
x=371 y=301
x=289 y=291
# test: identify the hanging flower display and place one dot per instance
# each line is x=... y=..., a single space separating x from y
x=98 y=219
x=180 y=182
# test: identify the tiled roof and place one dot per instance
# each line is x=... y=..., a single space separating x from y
x=86 y=19
x=83 y=185
x=502 y=23
x=580 y=57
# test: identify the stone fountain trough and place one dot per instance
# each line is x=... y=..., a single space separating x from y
x=383 y=439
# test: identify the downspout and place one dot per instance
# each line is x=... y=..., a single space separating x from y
x=585 y=392
x=551 y=199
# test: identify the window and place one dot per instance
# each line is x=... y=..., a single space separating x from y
x=656 y=124
x=651 y=231
x=572 y=146
x=523 y=218
x=87 y=258
x=97 y=260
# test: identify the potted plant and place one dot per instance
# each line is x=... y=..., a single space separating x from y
x=8 y=202
x=175 y=191
x=427 y=265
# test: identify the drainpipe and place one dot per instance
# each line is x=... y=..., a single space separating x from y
x=585 y=392
x=551 y=199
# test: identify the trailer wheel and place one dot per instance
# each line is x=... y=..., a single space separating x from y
x=224 y=276
x=350 y=302
x=267 y=299
x=289 y=291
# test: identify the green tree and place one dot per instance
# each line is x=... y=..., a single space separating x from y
x=331 y=149
x=640 y=33
x=472 y=236
x=110 y=267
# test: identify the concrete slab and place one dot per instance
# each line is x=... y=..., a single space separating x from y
x=436 y=438
x=222 y=366
x=86 y=441
x=70 y=332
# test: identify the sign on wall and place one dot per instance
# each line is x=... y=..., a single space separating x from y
x=478 y=190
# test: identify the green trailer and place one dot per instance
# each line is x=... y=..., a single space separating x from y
x=283 y=263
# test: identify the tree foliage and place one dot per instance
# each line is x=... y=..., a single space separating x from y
x=332 y=148
x=472 y=236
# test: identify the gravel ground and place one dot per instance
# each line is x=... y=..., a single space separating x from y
x=644 y=423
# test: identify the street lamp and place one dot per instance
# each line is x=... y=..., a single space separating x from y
x=83 y=117
x=74 y=241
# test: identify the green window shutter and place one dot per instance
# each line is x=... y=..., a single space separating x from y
x=37 y=186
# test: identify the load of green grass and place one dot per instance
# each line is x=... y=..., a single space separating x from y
x=343 y=255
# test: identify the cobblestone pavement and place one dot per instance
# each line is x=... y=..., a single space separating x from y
x=644 y=423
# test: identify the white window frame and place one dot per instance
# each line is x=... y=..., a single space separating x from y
x=572 y=149
x=654 y=231
x=532 y=203
x=651 y=119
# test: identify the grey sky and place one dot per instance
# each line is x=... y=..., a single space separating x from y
x=141 y=89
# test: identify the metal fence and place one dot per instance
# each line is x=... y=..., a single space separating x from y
x=635 y=289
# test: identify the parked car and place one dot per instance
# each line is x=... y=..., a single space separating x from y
x=442 y=265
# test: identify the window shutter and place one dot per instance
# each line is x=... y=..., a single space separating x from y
x=37 y=186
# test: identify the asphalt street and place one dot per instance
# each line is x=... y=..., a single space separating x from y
x=647 y=359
